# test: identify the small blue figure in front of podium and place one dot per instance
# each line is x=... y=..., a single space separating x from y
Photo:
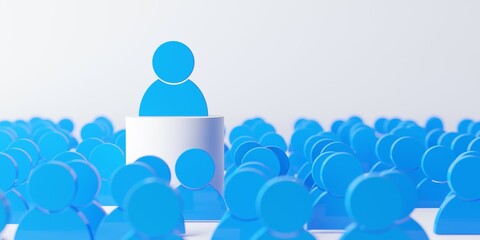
x=173 y=94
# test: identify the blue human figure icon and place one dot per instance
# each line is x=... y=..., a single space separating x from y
x=409 y=200
x=88 y=186
x=460 y=211
x=319 y=188
x=241 y=190
x=53 y=188
x=374 y=203
x=284 y=208
x=433 y=189
x=382 y=150
x=406 y=154
x=8 y=179
x=195 y=169
x=153 y=210
x=115 y=225
x=173 y=94
x=337 y=172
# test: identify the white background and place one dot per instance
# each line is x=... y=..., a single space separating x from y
x=277 y=59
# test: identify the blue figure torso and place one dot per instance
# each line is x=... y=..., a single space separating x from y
x=457 y=216
x=329 y=213
x=183 y=99
x=265 y=234
x=431 y=194
x=232 y=228
x=202 y=204
x=67 y=224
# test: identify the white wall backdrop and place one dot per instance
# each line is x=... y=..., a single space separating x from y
x=277 y=59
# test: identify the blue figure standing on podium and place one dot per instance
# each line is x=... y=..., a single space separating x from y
x=201 y=201
x=173 y=94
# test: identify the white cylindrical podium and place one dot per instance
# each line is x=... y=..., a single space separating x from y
x=169 y=137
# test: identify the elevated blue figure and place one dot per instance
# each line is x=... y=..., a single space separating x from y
x=53 y=188
x=241 y=190
x=273 y=139
x=28 y=146
x=115 y=225
x=52 y=144
x=8 y=179
x=86 y=147
x=382 y=150
x=337 y=172
x=66 y=124
x=433 y=189
x=93 y=130
x=409 y=200
x=460 y=211
x=195 y=169
x=283 y=208
x=153 y=209
x=4 y=212
x=88 y=186
x=406 y=154
x=173 y=94
x=374 y=203
x=107 y=158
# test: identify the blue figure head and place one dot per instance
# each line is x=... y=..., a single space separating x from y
x=107 y=158
x=173 y=62
x=436 y=161
x=126 y=177
x=28 y=146
x=318 y=147
x=53 y=186
x=317 y=168
x=383 y=148
x=195 y=168
x=265 y=156
x=52 y=144
x=338 y=171
x=153 y=208
x=373 y=202
x=88 y=182
x=407 y=153
x=337 y=147
x=241 y=191
x=283 y=205
x=69 y=156
x=463 y=177
x=66 y=124
x=86 y=147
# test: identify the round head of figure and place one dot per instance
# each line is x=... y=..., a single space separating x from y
x=126 y=177
x=88 y=182
x=173 y=62
x=462 y=177
x=53 y=186
x=195 y=168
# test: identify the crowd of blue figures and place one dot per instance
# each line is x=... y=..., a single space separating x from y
x=365 y=180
